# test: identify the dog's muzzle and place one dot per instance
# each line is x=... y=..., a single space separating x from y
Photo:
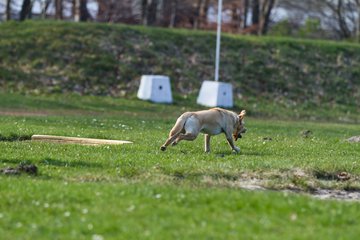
x=239 y=134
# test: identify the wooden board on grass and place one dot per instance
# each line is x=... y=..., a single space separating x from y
x=77 y=140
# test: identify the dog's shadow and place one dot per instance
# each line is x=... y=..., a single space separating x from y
x=221 y=154
x=252 y=153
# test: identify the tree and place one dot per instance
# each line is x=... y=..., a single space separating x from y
x=245 y=10
x=8 y=10
x=340 y=18
x=44 y=7
x=255 y=17
x=165 y=12
x=126 y=11
x=339 y=10
x=261 y=11
x=80 y=11
x=358 y=20
x=102 y=11
x=25 y=10
x=58 y=9
x=76 y=10
x=84 y=13
x=149 y=12
x=200 y=10
x=266 y=7
x=239 y=14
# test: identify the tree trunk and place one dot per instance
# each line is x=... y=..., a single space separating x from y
x=197 y=11
x=58 y=9
x=236 y=18
x=102 y=11
x=174 y=4
x=25 y=10
x=266 y=8
x=342 y=22
x=246 y=9
x=151 y=12
x=358 y=21
x=255 y=5
x=203 y=13
x=159 y=11
x=84 y=13
x=80 y=11
x=44 y=8
x=8 y=10
x=144 y=12
x=76 y=10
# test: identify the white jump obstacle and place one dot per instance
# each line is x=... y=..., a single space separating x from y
x=215 y=93
x=155 y=88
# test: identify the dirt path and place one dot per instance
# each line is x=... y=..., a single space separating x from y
x=22 y=112
x=40 y=113
x=324 y=194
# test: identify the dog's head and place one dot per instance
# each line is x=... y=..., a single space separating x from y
x=240 y=126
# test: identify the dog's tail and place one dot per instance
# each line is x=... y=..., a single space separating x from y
x=176 y=130
x=180 y=123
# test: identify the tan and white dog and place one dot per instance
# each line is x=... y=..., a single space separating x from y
x=210 y=122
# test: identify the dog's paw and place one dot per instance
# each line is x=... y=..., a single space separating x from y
x=236 y=150
x=162 y=148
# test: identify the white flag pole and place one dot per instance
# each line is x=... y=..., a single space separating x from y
x=215 y=93
x=218 y=39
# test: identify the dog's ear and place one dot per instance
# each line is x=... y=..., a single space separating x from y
x=242 y=114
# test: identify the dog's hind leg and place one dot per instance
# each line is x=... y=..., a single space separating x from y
x=170 y=140
x=176 y=130
x=187 y=136
x=191 y=129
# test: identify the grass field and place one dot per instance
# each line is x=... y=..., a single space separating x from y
x=138 y=192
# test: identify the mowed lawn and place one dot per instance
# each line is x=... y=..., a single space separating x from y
x=135 y=191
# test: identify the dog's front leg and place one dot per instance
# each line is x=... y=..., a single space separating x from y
x=207 y=143
x=231 y=143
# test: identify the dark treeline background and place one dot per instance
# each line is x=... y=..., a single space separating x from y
x=330 y=19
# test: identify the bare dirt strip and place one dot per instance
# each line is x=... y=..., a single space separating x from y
x=324 y=194
x=22 y=112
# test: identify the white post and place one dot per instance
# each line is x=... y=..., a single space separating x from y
x=215 y=93
x=217 y=63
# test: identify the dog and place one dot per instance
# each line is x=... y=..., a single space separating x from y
x=210 y=122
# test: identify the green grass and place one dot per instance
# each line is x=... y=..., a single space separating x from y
x=61 y=210
x=136 y=191
x=256 y=107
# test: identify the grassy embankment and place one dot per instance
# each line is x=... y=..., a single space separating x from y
x=278 y=77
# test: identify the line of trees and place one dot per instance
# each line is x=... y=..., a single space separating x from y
x=166 y=13
x=339 y=17
x=48 y=9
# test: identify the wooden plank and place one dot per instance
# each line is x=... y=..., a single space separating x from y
x=76 y=140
